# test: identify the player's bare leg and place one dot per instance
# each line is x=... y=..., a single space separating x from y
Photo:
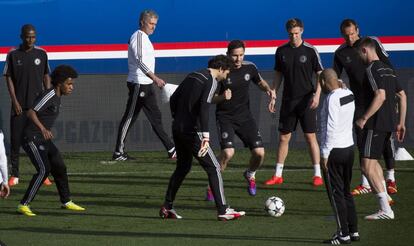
x=373 y=171
x=225 y=156
x=315 y=157
x=282 y=152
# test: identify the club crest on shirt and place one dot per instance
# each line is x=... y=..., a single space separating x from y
x=348 y=59
x=303 y=58
x=142 y=94
x=228 y=81
x=283 y=58
x=37 y=61
x=224 y=135
x=19 y=63
x=41 y=147
x=247 y=77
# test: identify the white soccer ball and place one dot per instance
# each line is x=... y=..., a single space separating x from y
x=274 y=206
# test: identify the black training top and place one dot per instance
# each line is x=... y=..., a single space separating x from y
x=47 y=108
x=297 y=65
x=27 y=70
x=347 y=58
x=191 y=101
x=381 y=76
x=238 y=81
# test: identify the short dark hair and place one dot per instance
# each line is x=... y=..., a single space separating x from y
x=292 y=23
x=367 y=42
x=347 y=23
x=235 y=44
x=27 y=27
x=221 y=61
x=62 y=73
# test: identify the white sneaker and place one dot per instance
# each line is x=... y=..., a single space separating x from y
x=381 y=215
x=230 y=214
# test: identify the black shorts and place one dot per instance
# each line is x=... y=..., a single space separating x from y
x=296 y=110
x=247 y=131
x=373 y=143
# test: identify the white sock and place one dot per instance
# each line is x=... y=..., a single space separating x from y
x=385 y=186
x=364 y=181
x=383 y=201
x=250 y=174
x=390 y=174
x=317 y=170
x=279 y=169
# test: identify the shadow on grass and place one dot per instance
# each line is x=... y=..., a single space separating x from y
x=155 y=235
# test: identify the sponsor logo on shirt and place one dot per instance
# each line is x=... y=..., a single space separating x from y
x=19 y=63
x=247 y=77
x=348 y=59
x=41 y=147
x=229 y=81
x=37 y=61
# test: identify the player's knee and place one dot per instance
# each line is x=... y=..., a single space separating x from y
x=258 y=152
x=284 y=137
x=227 y=153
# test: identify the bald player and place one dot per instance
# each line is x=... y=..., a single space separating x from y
x=337 y=155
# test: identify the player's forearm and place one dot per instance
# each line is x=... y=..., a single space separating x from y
x=277 y=81
x=31 y=114
x=46 y=81
x=375 y=105
x=402 y=107
x=10 y=87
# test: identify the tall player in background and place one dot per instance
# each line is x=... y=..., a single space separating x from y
x=296 y=62
x=27 y=75
x=141 y=77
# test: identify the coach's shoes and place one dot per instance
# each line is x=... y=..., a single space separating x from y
x=274 y=180
x=391 y=186
x=25 y=210
x=47 y=182
x=72 y=206
x=381 y=215
x=251 y=184
x=122 y=157
x=317 y=181
x=354 y=236
x=230 y=214
x=13 y=181
x=209 y=194
x=169 y=213
x=337 y=240
x=360 y=190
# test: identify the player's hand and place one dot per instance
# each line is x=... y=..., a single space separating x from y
x=343 y=85
x=400 y=133
x=324 y=164
x=314 y=102
x=4 y=190
x=227 y=94
x=272 y=105
x=47 y=134
x=17 y=108
x=159 y=82
x=361 y=123
x=204 y=147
